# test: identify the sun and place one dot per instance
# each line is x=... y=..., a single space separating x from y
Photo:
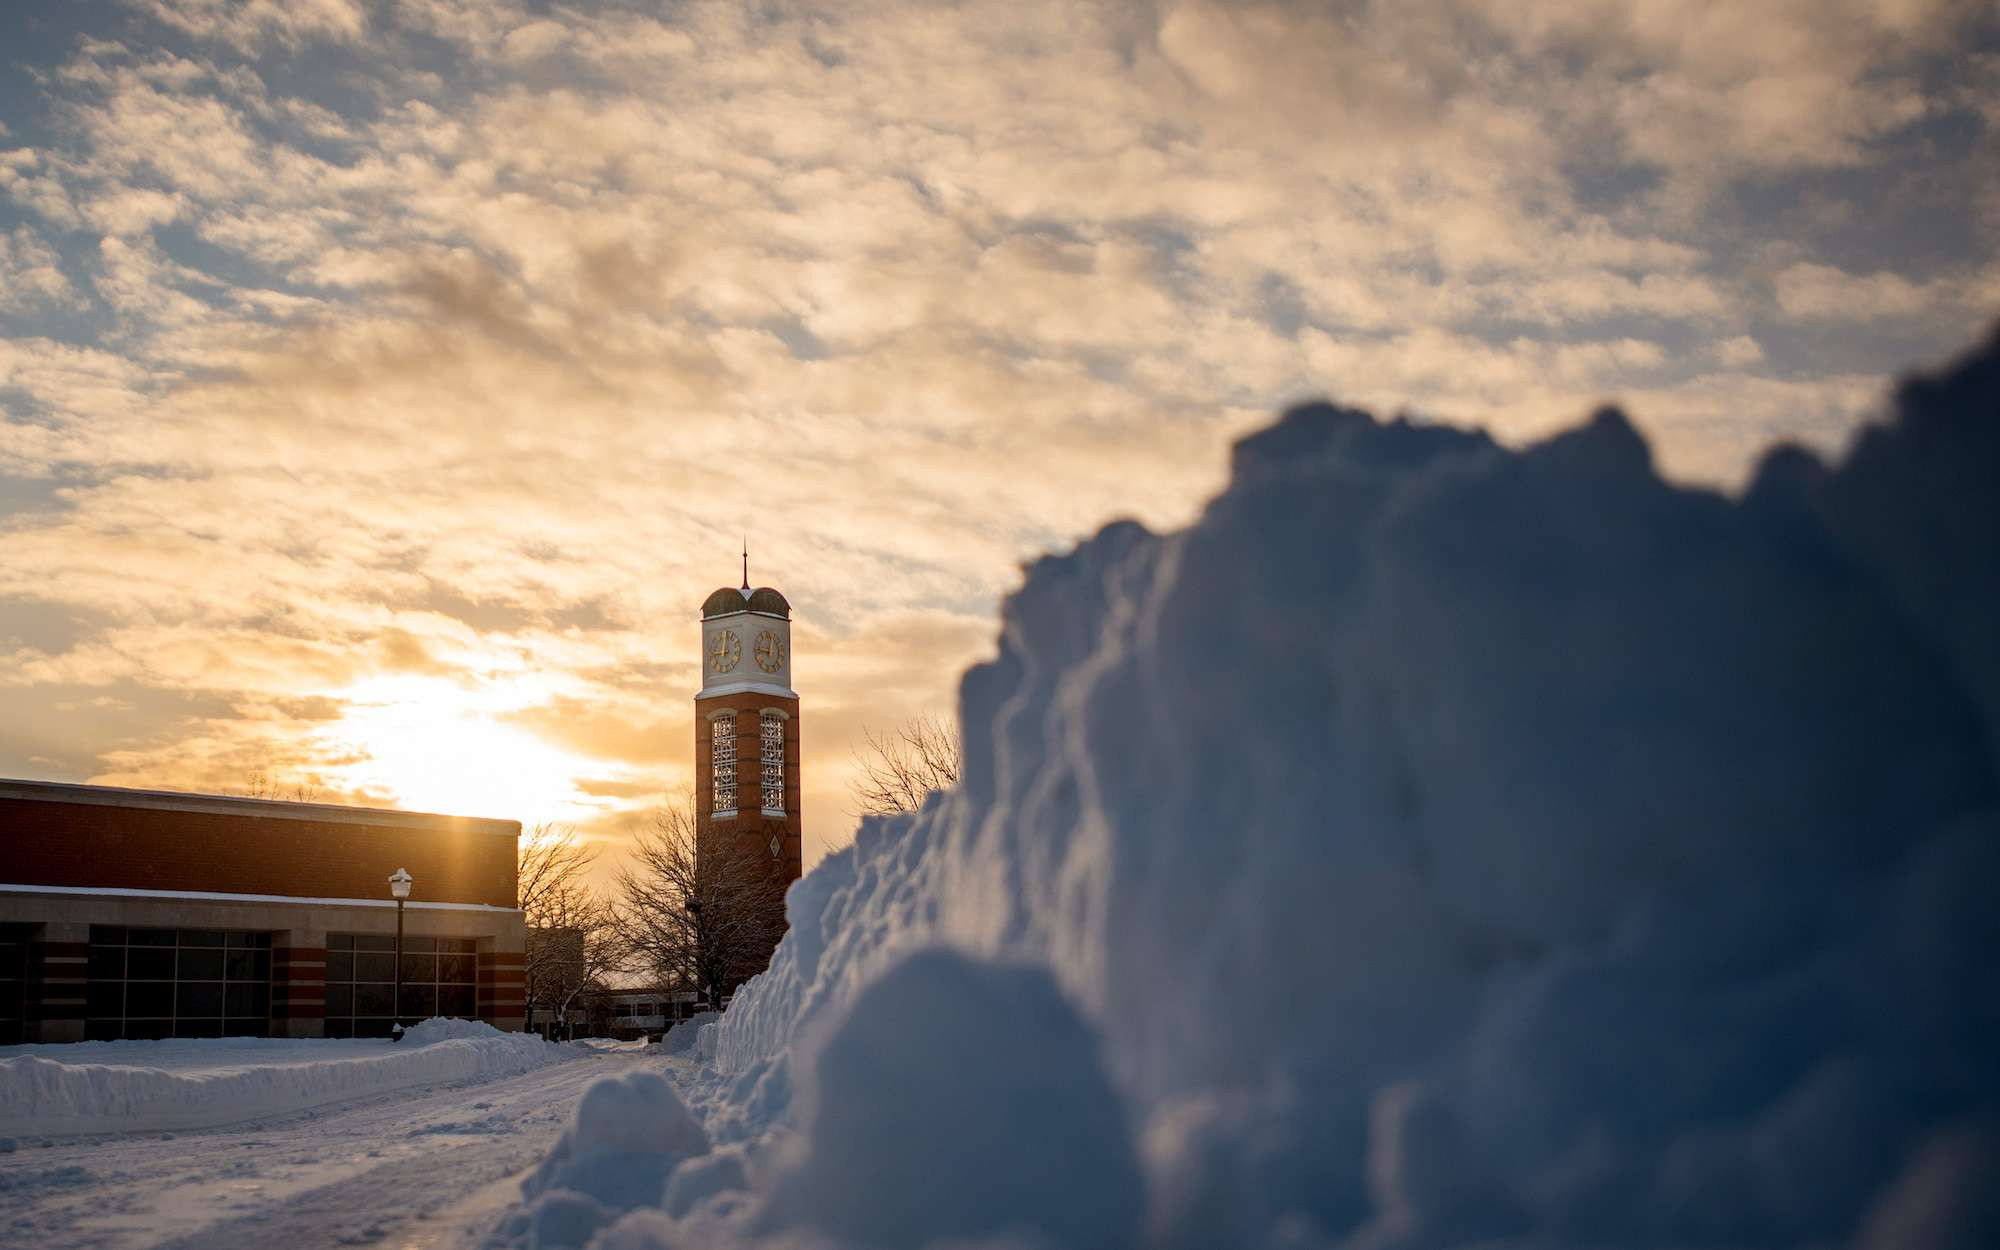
x=442 y=745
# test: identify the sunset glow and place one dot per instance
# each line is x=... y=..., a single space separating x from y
x=436 y=745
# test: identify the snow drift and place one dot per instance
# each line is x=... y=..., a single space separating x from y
x=101 y=1087
x=1435 y=844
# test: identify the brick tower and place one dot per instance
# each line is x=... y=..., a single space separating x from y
x=746 y=734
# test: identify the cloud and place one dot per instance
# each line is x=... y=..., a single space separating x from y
x=463 y=324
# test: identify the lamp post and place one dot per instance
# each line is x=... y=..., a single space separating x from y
x=399 y=885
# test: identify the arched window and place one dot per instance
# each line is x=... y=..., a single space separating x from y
x=722 y=760
x=773 y=728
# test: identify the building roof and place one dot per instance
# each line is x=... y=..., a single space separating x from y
x=231 y=805
x=732 y=599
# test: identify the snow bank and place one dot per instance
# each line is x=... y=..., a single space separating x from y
x=1435 y=844
x=103 y=1087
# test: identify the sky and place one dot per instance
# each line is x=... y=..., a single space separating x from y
x=383 y=385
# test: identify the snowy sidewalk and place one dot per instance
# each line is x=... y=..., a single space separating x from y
x=418 y=1168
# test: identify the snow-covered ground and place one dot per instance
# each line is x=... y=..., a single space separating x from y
x=433 y=1165
x=101 y=1087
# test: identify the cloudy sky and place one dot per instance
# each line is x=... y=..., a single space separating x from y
x=384 y=383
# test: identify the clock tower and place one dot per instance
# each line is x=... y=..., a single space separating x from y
x=746 y=733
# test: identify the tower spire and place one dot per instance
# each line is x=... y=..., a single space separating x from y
x=746 y=562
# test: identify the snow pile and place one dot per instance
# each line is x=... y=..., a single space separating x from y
x=448 y=1029
x=626 y=1135
x=1436 y=844
x=683 y=1038
x=100 y=1087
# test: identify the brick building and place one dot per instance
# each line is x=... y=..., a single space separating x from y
x=137 y=913
x=746 y=737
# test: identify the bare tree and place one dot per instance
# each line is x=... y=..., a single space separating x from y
x=260 y=784
x=698 y=911
x=572 y=944
x=899 y=768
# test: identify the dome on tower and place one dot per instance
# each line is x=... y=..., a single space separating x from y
x=765 y=599
x=724 y=601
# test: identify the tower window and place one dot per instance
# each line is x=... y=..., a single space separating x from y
x=722 y=759
x=773 y=728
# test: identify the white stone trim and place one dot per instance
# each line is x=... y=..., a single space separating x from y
x=204 y=896
x=747 y=687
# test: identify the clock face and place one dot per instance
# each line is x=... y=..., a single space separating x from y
x=770 y=651
x=726 y=651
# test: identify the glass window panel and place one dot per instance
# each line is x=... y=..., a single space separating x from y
x=340 y=1026
x=722 y=760
x=419 y=1001
x=371 y=999
x=198 y=1027
x=340 y=999
x=150 y=937
x=107 y=963
x=374 y=942
x=340 y=941
x=200 y=965
x=148 y=1030
x=249 y=1026
x=773 y=761
x=242 y=1000
x=149 y=998
x=242 y=965
x=340 y=965
x=198 y=998
x=107 y=935
x=373 y=967
x=419 y=968
x=458 y=969
x=201 y=937
x=375 y=1027
x=455 y=1000
x=150 y=963
x=102 y=1030
x=105 y=998
x=465 y=945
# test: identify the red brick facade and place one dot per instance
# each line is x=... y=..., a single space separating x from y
x=131 y=912
x=293 y=849
x=750 y=823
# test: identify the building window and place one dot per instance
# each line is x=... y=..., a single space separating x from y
x=440 y=978
x=774 y=762
x=176 y=983
x=722 y=757
x=14 y=940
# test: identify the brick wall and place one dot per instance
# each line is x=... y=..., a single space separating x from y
x=750 y=825
x=100 y=845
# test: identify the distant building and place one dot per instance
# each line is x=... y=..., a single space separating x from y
x=746 y=738
x=636 y=1012
x=139 y=913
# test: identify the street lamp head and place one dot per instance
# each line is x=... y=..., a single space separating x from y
x=399 y=884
